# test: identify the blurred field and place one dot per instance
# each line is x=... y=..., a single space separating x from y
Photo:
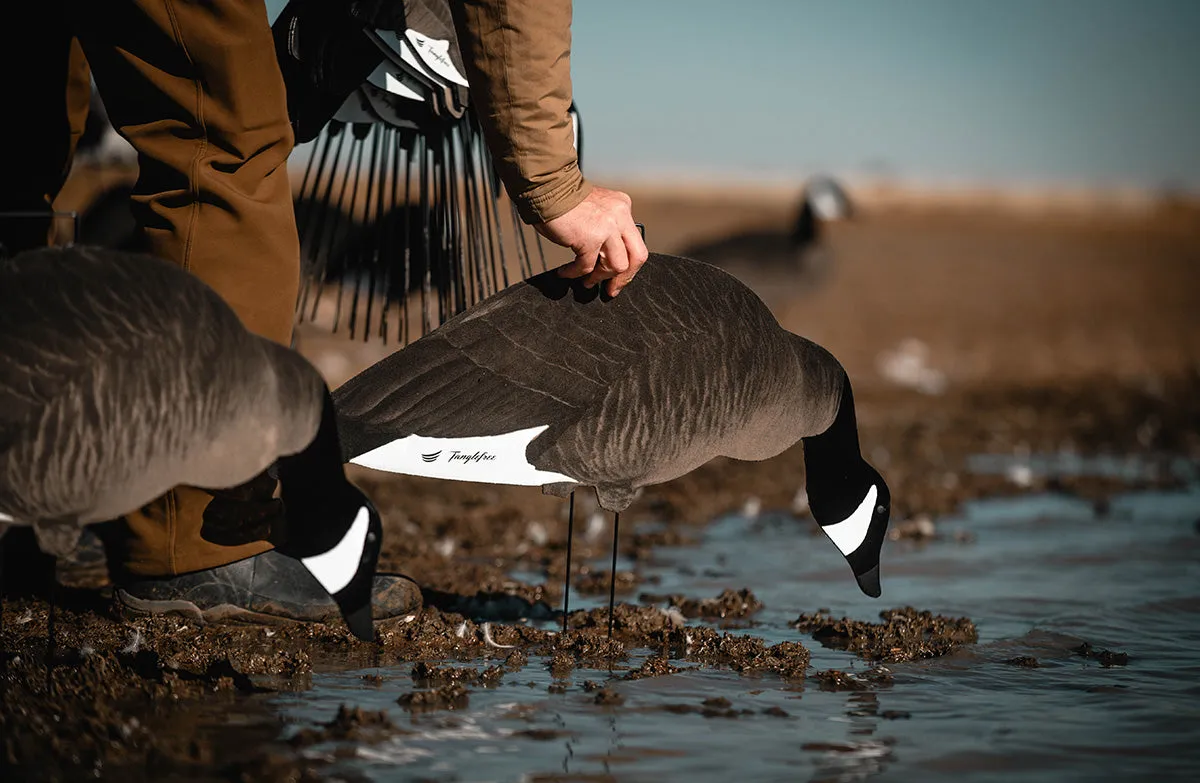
x=990 y=288
x=998 y=295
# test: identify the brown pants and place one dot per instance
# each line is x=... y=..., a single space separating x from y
x=195 y=87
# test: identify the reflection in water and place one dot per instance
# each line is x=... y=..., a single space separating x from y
x=1040 y=576
x=847 y=762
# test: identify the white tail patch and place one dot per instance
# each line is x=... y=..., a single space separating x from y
x=5 y=518
x=336 y=568
x=492 y=459
x=848 y=534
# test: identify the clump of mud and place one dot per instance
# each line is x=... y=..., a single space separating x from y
x=350 y=724
x=1106 y=658
x=837 y=680
x=629 y=621
x=607 y=697
x=654 y=666
x=1024 y=661
x=452 y=696
x=729 y=604
x=904 y=635
x=741 y=653
x=426 y=674
x=599 y=582
x=718 y=707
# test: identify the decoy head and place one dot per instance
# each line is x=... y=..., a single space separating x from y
x=333 y=529
x=828 y=199
x=848 y=498
x=823 y=200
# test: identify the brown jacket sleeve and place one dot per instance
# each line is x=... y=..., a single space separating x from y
x=518 y=59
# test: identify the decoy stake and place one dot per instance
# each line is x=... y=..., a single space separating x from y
x=570 y=536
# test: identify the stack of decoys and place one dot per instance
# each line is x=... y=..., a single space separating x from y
x=380 y=92
x=122 y=376
x=549 y=383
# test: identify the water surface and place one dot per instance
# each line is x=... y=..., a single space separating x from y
x=1040 y=575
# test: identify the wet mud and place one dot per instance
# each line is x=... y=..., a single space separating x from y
x=904 y=635
x=351 y=724
x=729 y=604
x=141 y=698
x=1106 y=658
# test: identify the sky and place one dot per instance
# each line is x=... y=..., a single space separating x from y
x=1076 y=93
x=1025 y=92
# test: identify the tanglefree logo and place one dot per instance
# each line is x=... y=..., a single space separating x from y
x=460 y=456
x=478 y=456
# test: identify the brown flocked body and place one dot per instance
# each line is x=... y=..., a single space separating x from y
x=687 y=364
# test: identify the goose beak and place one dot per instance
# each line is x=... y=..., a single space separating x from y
x=868 y=582
x=359 y=621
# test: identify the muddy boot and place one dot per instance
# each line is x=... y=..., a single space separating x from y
x=266 y=588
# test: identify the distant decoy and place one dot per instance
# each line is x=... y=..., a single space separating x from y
x=800 y=253
x=122 y=376
x=549 y=383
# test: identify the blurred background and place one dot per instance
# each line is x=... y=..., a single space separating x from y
x=942 y=193
x=945 y=194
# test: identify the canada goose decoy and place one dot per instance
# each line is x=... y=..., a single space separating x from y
x=549 y=383
x=122 y=376
x=800 y=253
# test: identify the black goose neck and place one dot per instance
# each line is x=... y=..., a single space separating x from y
x=316 y=474
x=804 y=230
x=319 y=502
x=836 y=473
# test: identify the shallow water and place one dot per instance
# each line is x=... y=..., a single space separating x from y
x=1039 y=575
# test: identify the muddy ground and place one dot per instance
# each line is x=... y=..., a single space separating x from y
x=966 y=331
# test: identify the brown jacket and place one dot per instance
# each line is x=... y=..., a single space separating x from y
x=518 y=59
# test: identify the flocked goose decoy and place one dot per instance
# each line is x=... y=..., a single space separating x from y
x=122 y=376
x=549 y=383
x=800 y=253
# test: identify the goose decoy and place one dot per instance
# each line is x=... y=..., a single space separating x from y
x=122 y=376
x=759 y=256
x=549 y=383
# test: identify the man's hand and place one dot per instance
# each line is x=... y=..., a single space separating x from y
x=601 y=232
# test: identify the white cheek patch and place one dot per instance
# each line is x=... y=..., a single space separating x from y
x=491 y=459
x=848 y=534
x=5 y=518
x=336 y=568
